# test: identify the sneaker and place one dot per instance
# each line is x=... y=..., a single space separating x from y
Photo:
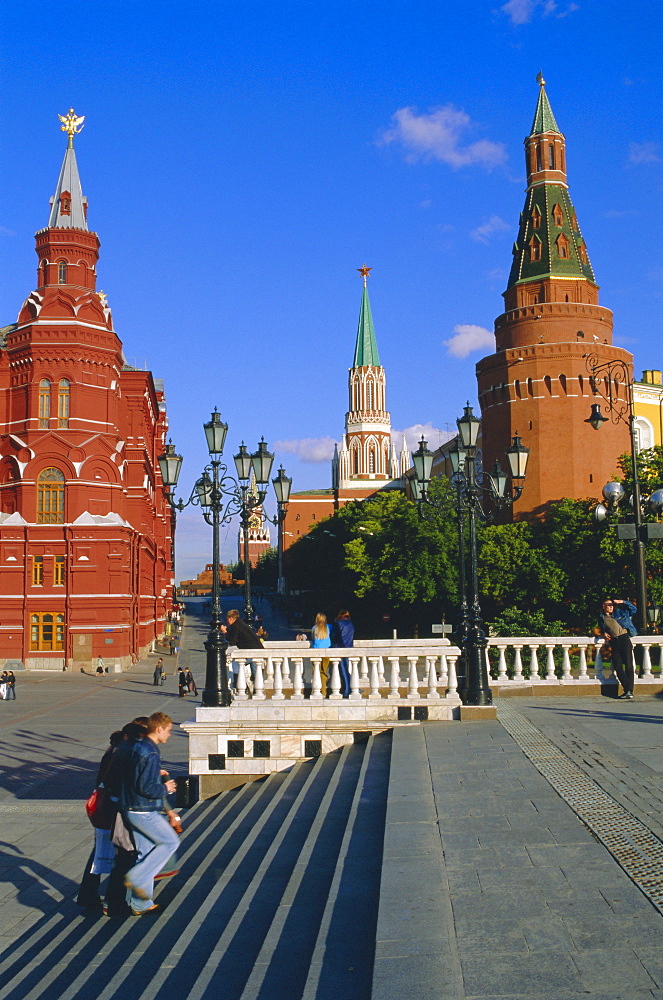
x=175 y=871
x=138 y=893
x=629 y=696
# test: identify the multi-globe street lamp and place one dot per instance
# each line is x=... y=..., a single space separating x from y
x=282 y=485
x=220 y=498
x=469 y=482
x=605 y=380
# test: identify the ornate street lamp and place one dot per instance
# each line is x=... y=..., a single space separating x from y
x=252 y=499
x=605 y=379
x=282 y=485
x=469 y=486
x=220 y=497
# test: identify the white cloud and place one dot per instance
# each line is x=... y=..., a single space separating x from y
x=439 y=135
x=7 y=232
x=494 y=225
x=522 y=11
x=643 y=152
x=468 y=338
x=308 y=449
x=433 y=435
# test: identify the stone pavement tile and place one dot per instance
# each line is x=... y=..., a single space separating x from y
x=586 y=855
x=541 y=975
x=396 y=977
x=410 y=947
x=652 y=960
x=463 y=880
x=505 y=880
x=409 y=839
x=615 y=968
x=548 y=935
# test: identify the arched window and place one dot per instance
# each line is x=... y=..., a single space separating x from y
x=536 y=218
x=369 y=394
x=539 y=163
x=644 y=434
x=62 y=273
x=535 y=248
x=562 y=382
x=44 y=264
x=562 y=246
x=558 y=217
x=530 y=387
x=63 y=403
x=355 y=461
x=50 y=497
x=517 y=388
x=44 y=402
x=371 y=461
x=548 y=384
x=551 y=156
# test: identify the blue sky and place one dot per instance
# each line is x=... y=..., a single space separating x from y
x=242 y=159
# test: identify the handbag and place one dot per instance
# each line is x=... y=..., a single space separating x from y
x=100 y=809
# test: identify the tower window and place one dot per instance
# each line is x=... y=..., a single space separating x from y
x=44 y=265
x=371 y=461
x=63 y=403
x=44 y=402
x=50 y=497
x=58 y=571
x=369 y=395
x=37 y=571
x=536 y=218
x=562 y=246
x=539 y=161
x=535 y=249
x=65 y=203
x=62 y=273
x=551 y=157
x=558 y=216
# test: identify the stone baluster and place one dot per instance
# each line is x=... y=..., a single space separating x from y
x=335 y=683
x=550 y=662
x=354 y=677
x=413 y=678
x=582 y=676
x=444 y=670
x=364 y=678
x=269 y=672
x=534 y=663
x=501 y=665
x=278 y=680
x=518 y=664
x=646 y=661
x=432 y=678
x=285 y=670
x=394 y=678
x=241 y=679
x=316 y=681
x=298 y=683
x=375 y=679
x=383 y=681
x=452 y=682
x=566 y=664
x=259 y=682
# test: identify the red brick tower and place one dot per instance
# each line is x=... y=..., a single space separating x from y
x=537 y=383
x=85 y=535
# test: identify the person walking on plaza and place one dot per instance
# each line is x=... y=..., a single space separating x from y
x=100 y=861
x=321 y=639
x=172 y=645
x=159 y=673
x=142 y=803
x=614 y=622
x=181 y=682
x=343 y=634
x=190 y=682
x=11 y=685
x=3 y=685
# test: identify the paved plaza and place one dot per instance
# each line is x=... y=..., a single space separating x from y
x=450 y=860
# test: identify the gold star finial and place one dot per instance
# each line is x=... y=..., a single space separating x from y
x=364 y=271
x=71 y=124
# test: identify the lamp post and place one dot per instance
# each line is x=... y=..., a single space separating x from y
x=252 y=499
x=611 y=374
x=282 y=485
x=469 y=485
x=220 y=497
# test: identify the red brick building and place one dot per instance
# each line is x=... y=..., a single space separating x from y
x=86 y=539
x=537 y=383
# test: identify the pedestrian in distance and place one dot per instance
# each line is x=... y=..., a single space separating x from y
x=172 y=645
x=343 y=633
x=614 y=622
x=100 y=667
x=190 y=682
x=159 y=673
x=11 y=686
x=321 y=639
x=241 y=635
x=142 y=804
x=3 y=685
x=182 y=682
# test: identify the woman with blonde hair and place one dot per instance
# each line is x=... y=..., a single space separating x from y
x=321 y=639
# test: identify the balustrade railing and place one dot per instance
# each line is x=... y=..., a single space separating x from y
x=426 y=670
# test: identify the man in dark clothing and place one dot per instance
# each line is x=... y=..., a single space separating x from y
x=613 y=627
x=241 y=635
x=343 y=633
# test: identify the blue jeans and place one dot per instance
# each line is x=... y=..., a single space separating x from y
x=155 y=842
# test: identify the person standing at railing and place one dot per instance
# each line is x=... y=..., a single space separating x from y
x=343 y=634
x=617 y=627
x=321 y=639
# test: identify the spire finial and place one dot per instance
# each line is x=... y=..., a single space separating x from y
x=364 y=271
x=71 y=124
x=541 y=82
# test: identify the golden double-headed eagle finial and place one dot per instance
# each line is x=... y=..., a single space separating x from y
x=364 y=271
x=71 y=124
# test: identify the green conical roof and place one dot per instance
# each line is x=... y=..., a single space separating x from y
x=544 y=119
x=549 y=221
x=366 y=351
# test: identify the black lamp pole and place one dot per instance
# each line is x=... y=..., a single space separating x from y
x=220 y=497
x=476 y=690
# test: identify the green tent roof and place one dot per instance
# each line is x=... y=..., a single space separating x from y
x=366 y=350
x=544 y=119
